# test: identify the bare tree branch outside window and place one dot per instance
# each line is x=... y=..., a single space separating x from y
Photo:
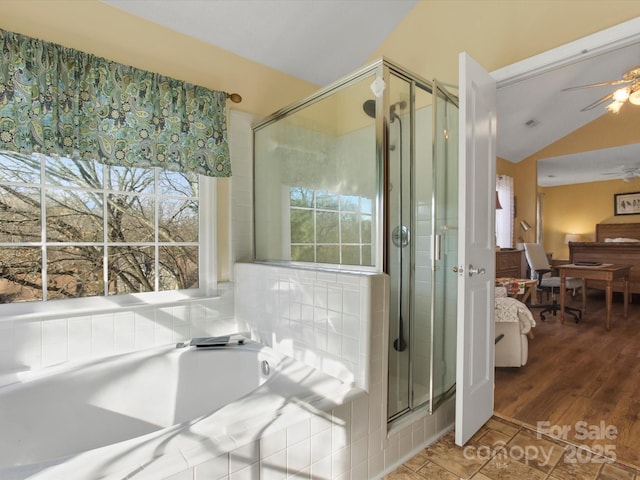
x=72 y=229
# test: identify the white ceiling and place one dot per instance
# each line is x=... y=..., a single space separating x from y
x=316 y=41
x=321 y=41
x=597 y=165
x=556 y=113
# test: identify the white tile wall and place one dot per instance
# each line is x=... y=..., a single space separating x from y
x=31 y=343
x=320 y=318
x=286 y=309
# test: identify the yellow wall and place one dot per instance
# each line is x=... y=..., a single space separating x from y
x=578 y=208
x=95 y=27
x=560 y=205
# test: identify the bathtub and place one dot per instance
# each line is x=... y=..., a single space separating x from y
x=154 y=413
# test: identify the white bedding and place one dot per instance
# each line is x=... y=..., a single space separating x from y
x=621 y=240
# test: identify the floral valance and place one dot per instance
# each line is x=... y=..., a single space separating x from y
x=61 y=101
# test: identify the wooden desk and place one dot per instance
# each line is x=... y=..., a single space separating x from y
x=606 y=272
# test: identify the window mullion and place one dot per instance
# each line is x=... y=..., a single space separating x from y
x=106 y=182
x=43 y=225
x=156 y=223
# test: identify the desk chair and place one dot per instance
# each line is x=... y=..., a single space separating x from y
x=540 y=270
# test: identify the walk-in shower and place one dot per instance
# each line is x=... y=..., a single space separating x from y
x=363 y=175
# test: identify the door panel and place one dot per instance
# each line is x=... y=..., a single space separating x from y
x=476 y=271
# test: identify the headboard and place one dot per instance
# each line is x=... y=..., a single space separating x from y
x=617 y=230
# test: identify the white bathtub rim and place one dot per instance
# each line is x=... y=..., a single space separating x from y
x=15 y=379
x=175 y=448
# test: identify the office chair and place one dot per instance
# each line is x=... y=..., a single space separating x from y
x=540 y=269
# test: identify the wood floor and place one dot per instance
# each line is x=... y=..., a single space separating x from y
x=580 y=377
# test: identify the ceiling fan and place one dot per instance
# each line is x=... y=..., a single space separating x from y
x=626 y=172
x=630 y=91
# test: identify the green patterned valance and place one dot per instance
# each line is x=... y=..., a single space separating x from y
x=61 y=101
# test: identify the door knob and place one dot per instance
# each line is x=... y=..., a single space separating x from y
x=473 y=270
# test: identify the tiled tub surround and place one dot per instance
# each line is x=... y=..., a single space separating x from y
x=293 y=311
x=337 y=430
x=33 y=342
x=324 y=319
x=114 y=419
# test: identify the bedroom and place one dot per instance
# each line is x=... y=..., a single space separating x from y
x=583 y=386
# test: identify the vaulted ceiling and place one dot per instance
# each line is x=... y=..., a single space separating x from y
x=321 y=41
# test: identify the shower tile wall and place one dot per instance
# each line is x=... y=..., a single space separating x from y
x=422 y=294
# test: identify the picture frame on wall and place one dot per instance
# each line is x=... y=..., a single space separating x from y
x=626 y=203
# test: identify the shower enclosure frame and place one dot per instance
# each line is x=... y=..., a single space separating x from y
x=382 y=69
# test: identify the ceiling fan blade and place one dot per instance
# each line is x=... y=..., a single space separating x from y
x=597 y=102
x=603 y=84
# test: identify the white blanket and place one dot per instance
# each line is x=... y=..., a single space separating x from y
x=512 y=310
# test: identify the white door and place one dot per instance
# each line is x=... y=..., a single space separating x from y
x=476 y=249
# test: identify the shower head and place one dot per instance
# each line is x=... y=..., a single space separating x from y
x=369 y=107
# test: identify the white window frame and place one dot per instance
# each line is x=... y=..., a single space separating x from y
x=339 y=211
x=207 y=270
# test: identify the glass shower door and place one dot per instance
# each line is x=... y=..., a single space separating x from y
x=399 y=246
x=445 y=234
x=422 y=281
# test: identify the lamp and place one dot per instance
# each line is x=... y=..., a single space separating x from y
x=572 y=237
x=498 y=206
x=525 y=228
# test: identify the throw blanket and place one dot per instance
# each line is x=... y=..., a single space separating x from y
x=512 y=310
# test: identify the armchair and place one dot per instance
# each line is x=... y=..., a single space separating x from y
x=513 y=324
x=540 y=270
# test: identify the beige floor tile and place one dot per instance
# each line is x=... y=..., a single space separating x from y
x=535 y=450
x=433 y=471
x=453 y=458
x=491 y=438
x=502 y=450
x=480 y=476
x=503 y=426
x=568 y=468
x=616 y=472
x=505 y=468
x=417 y=461
x=403 y=473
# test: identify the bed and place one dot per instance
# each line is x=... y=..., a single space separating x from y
x=615 y=243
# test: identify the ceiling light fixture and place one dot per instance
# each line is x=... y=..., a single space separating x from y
x=630 y=92
x=634 y=96
x=615 y=106
x=621 y=95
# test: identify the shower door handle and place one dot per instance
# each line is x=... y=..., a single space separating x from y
x=473 y=270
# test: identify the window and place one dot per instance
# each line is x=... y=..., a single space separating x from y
x=329 y=227
x=504 y=215
x=72 y=229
